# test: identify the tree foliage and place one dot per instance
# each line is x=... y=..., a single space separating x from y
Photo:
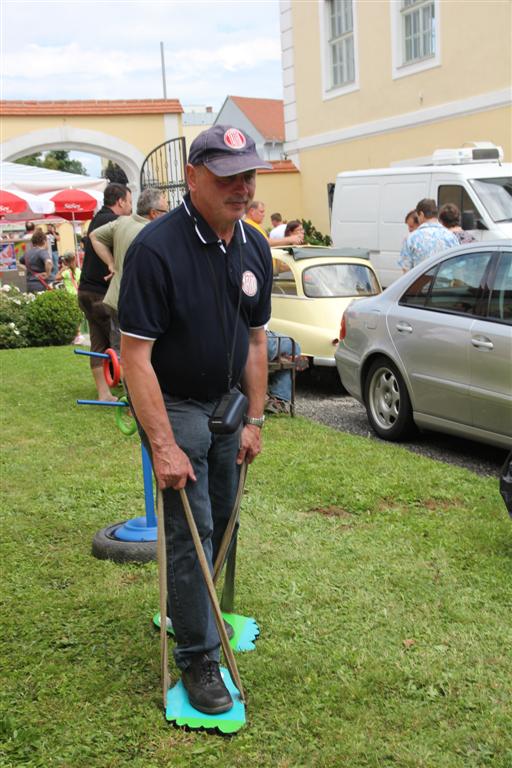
x=114 y=172
x=312 y=236
x=56 y=160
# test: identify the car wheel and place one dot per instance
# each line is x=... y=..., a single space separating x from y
x=387 y=401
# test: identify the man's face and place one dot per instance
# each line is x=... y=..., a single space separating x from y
x=258 y=214
x=411 y=224
x=221 y=200
x=163 y=207
x=160 y=208
x=125 y=204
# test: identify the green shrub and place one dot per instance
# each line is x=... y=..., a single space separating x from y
x=13 y=317
x=11 y=336
x=312 y=236
x=53 y=318
x=42 y=319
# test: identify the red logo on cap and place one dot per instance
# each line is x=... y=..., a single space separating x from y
x=234 y=139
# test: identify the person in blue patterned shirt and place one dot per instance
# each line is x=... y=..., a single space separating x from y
x=430 y=237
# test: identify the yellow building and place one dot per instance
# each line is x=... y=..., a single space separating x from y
x=123 y=131
x=126 y=131
x=373 y=83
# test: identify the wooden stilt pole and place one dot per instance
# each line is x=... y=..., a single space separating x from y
x=162 y=583
x=228 y=653
x=233 y=520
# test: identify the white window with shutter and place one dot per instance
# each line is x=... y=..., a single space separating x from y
x=415 y=36
x=339 y=43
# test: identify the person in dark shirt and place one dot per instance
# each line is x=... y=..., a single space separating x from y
x=449 y=216
x=38 y=263
x=194 y=300
x=53 y=238
x=117 y=201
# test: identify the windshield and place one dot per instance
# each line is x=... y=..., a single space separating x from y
x=496 y=195
x=339 y=280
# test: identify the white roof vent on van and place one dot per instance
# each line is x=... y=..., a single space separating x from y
x=476 y=152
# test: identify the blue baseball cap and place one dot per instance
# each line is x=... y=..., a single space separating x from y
x=225 y=151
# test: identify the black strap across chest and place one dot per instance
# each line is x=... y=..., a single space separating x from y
x=221 y=307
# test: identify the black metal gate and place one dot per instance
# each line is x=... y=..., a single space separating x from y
x=164 y=168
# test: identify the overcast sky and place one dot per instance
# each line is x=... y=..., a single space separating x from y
x=111 y=50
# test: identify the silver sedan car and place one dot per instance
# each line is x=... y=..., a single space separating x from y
x=434 y=350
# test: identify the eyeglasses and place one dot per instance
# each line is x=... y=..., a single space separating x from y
x=161 y=210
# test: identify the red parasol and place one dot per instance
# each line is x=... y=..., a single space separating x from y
x=17 y=204
x=75 y=204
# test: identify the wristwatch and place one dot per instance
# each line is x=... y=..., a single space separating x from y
x=255 y=421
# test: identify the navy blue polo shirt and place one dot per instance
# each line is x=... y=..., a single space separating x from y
x=168 y=295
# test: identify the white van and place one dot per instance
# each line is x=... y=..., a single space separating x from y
x=369 y=207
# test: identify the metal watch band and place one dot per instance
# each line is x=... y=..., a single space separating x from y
x=255 y=421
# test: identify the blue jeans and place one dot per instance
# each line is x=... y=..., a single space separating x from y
x=55 y=265
x=280 y=382
x=211 y=498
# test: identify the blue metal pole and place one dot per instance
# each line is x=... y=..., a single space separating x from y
x=142 y=528
x=149 y=501
x=91 y=354
x=113 y=403
x=139 y=528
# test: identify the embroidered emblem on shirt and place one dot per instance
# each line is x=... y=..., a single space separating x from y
x=249 y=283
x=234 y=139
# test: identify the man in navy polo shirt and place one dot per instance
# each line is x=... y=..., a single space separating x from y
x=194 y=300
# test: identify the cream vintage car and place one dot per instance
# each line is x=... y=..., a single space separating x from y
x=312 y=287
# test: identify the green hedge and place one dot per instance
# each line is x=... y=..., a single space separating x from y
x=50 y=318
x=312 y=236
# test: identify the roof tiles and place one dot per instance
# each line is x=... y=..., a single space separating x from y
x=92 y=107
x=280 y=166
x=267 y=115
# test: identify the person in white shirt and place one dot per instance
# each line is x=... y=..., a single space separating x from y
x=278 y=227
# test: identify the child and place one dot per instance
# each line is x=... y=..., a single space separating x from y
x=70 y=276
x=69 y=273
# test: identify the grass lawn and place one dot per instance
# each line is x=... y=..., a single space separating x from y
x=381 y=581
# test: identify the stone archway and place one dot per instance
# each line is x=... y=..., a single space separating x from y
x=67 y=137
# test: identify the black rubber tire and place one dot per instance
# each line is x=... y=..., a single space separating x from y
x=106 y=547
x=506 y=483
x=387 y=401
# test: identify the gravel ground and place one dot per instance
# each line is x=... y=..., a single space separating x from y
x=323 y=401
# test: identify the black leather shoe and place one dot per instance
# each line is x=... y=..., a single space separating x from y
x=205 y=687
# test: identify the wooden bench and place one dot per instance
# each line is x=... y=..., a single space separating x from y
x=286 y=363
